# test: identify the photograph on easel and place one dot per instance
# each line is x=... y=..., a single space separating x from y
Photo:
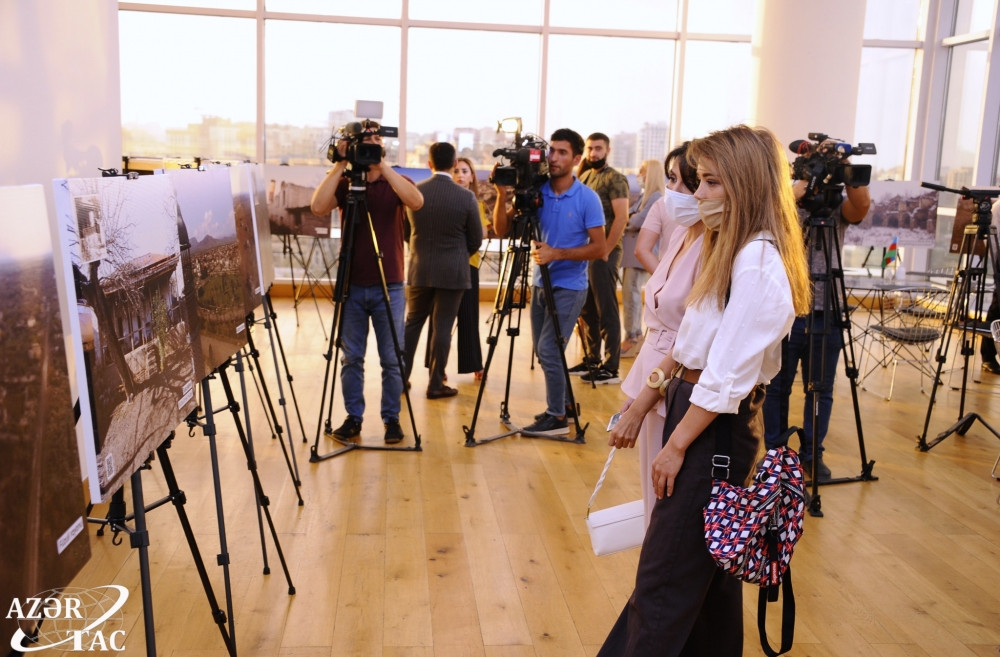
x=205 y=202
x=41 y=490
x=132 y=331
x=262 y=225
x=289 y=194
x=242 y=186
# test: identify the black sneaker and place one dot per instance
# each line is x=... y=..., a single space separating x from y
x=822 y=471
x=550 y=425
x=579 y=369
x=601 y=377
x=569 y=413
x=393 y=432
x=351 y=428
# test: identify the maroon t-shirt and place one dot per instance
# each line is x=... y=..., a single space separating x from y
x=388 y=216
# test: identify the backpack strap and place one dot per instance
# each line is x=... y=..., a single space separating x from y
x=770 y=594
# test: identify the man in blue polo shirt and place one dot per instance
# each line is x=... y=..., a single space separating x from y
x=571 y=232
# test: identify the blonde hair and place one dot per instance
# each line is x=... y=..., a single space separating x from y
x=754 y=173
x=655 y=181
x=474 y=183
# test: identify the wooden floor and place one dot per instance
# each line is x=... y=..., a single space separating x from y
x=458 y=551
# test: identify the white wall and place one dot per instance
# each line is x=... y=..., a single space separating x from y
x=60 y=107
x=806 y=66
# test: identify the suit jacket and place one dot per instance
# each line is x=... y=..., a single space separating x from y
x=443 y=234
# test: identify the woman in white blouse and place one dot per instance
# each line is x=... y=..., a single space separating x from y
x=753 y=281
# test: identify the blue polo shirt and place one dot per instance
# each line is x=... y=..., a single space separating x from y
x=563 y=222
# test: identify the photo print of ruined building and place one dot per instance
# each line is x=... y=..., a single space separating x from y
x=134 y=344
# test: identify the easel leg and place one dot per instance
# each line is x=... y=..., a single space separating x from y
x=139 y=539
x=262 y=499
x=179 y=499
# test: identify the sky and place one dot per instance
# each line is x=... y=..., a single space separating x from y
x=464 y=78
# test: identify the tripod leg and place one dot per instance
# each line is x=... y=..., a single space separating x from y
x=510 y=294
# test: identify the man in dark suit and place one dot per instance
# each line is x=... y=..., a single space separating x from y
x=442 y=235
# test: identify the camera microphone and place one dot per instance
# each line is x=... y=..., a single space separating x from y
x=801 y=147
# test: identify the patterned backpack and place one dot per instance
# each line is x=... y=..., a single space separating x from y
x=751 y=532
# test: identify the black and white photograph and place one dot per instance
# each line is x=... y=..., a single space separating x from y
x=134 y=347
x=41 y=493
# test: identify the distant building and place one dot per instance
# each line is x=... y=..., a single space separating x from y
x=652 y=142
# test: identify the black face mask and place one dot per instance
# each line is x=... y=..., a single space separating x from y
x=598 y=164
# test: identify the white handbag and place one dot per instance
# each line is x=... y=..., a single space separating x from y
x=616 y=528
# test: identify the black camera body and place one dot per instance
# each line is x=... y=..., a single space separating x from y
x=526 y=170
x=822 y=166
x=359 y=154
x=526 y=166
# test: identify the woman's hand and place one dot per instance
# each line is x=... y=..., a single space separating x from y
x=624 y=433
x=666 y=465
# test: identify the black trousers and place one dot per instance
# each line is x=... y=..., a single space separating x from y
x=442 y=306
x=600 y=316
x=468 y=345
x=683 y=604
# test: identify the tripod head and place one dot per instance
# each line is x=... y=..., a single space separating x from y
x=982 y=197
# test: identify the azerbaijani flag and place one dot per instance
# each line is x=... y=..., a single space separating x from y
x=891 y=254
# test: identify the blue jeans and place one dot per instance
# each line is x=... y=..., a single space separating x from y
x=795 y=349
x=364 y=302
x=543 y=338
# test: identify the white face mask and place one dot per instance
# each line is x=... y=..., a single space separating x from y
x=711 y=212
x=682 y=208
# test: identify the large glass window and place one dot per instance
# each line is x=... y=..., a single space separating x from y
x=883 y=109
x=619 y=100
x=183 y=101
x=960 y=137
x=510 y=12
x=974 y=16
x=720 y=17
x=451 y=99
x=248 y=5
x=892 y=19
x=366 y=8
x=716 y=87
x=659 y=15
x=314 y=78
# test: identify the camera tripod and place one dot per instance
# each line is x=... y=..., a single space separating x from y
x=829 y=317
x=512 y=294
x=355 y=210
x=977 y=259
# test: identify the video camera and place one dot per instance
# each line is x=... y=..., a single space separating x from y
x=359 y=154
x=821 y=163
x=527 y=167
